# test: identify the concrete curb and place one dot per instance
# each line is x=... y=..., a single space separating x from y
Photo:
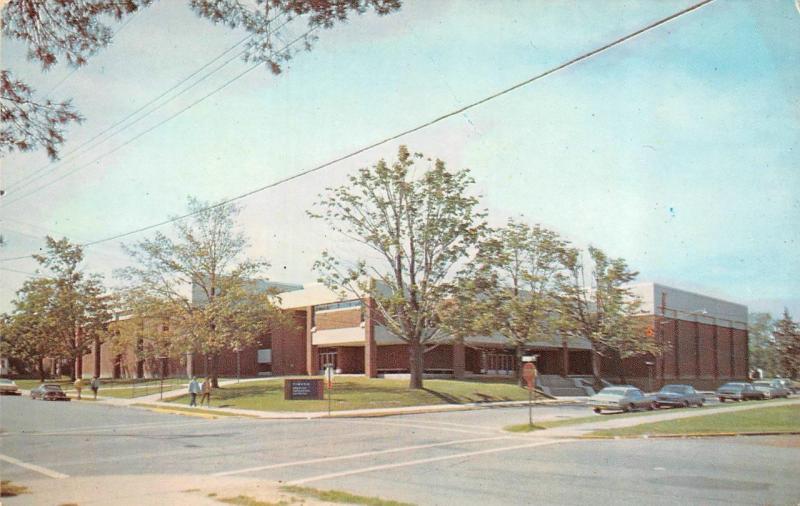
x=693 y=435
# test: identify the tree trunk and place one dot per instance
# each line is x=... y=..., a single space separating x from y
x=518 y=364
x=598 y=385
x=42 y=375
x=416 y=365
x=215 y=370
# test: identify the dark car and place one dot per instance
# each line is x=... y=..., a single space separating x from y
x=738 y=392
x=679 y=396
x=772 y=389
x=49 y=392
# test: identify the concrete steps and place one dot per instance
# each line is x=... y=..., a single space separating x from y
x=558 y=386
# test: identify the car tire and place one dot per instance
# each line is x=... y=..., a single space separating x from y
x=652 y=406
x=656 y=405
x=629 y=408
x=700 y=404
x=722 y=399
x=597 y=410
x=685 y=404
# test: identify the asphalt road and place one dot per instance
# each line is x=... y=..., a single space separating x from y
x=440 y=459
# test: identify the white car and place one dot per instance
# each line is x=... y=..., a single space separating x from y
x=620 y=398
x=8 y=387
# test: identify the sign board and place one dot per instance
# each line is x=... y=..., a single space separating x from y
x=529 y=374
x=329 y=376
x=303 y=389
x=529 y=358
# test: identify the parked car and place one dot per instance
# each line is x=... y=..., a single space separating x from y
x=772 y=389
x=788 y=384
x=620 y=398
x=738 y=392
x=679 y=396
x=49 y=392
x=8 y=387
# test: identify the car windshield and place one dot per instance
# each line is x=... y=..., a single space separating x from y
x=52 y=387
x=733 y=385
x=678 y=389
x=762 y=384
x=613 y=391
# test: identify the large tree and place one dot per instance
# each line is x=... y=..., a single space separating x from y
x=419 y=223
x=28 y=334
x=602 y=309
x=76 y=30
x=522 y=269
x=786 y=334
x=202 y=284
x=61 y=313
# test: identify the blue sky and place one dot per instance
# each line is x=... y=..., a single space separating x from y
x=677 y=150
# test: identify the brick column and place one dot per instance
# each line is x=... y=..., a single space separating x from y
x=459 y=358
x=370 y=346
x=696 y=347
x=79 y=358
x=564 y=357
x=312 y=358
x=716 y=349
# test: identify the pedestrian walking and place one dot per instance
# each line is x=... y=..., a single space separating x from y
x=95 y=386
x=78 y=387
x=194 y=389
x=206 y=392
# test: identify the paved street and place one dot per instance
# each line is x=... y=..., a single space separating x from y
x=441 y=458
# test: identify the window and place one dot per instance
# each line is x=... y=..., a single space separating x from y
x=265 y=356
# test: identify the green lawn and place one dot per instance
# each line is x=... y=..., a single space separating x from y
x=364 y=393
x=523 y=427
x=768 y=419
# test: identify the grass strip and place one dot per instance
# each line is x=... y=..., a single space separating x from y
x=338 y=496
x=777 y=419
x=245 y=500
x=9 y=489
x=549 y=424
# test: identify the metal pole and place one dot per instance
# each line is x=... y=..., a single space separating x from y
x=530 y=407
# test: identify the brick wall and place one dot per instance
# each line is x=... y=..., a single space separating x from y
x=338 y=319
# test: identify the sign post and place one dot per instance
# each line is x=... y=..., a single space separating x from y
x=529 y=375
x=329 y=384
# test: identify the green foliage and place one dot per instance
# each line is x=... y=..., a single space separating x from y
x=59 y=314
x=786 y=335
x=417 y=226
x=338 y=496
x=605 y=312
x=763 y=351
x=520 y=273
x=225 y=310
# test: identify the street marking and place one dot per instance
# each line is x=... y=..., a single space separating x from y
x=78 y=431
x=357 y=455
x=34 y=467
x=423 y=461
x=417 y=425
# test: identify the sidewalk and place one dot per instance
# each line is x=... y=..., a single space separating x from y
x=581 y=430
x=154 y=401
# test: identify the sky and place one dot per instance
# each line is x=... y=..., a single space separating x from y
x=677 y=151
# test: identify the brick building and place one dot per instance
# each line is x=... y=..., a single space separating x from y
x=705 y=343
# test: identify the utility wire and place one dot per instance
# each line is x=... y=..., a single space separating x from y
x=28 y=179
x=24 y=181
x=153 y=127
x=573 y=61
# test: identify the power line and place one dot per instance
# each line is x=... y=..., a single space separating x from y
x=29 y=178
x=24 y=181
x=153 y=127
x=417 y=128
